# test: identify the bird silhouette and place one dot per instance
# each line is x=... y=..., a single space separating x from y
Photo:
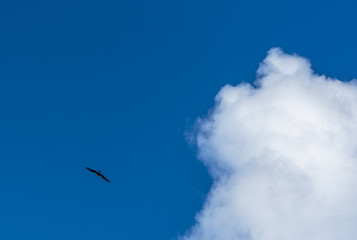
x=98 y=174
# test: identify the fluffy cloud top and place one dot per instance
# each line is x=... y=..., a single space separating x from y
x=283 y=154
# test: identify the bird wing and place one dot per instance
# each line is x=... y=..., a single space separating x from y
x=104 y=178
x=91 y=170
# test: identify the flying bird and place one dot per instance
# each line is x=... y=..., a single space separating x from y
x=98 y=174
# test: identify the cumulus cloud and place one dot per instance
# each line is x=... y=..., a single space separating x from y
x=283 y=156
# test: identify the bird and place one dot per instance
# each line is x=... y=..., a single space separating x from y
x=98 y=174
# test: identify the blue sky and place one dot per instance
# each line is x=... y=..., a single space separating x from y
x=114 y=85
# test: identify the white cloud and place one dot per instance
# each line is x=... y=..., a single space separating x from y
x=283 y=154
